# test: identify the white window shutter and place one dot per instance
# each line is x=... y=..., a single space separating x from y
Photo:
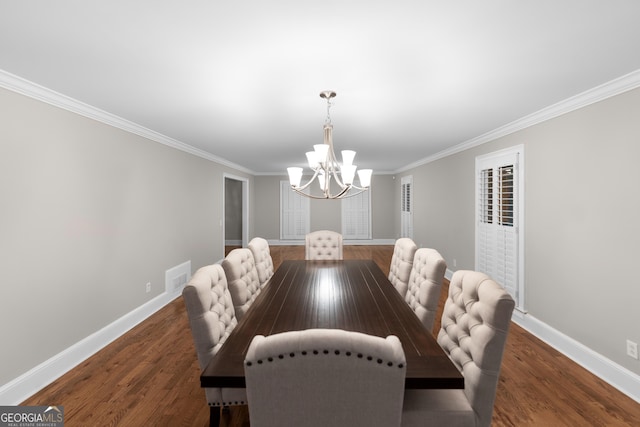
x=356 y=216
x=294 y=213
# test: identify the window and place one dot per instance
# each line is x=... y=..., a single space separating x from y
x=356 y=216
x=294 y=213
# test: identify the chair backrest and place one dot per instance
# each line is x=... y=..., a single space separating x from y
x=425 y=284
x=401 y=263
x=475 y=323
x=242 y=277
x=262 y=256
x=210 y=311
x=211 y=318
x=323 y=244
x=325 y=377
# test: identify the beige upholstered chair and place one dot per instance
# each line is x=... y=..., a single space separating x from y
x=212 y=319
x=323 y=244
x=401 y=263
x=262 y=256
x=242 y=277
x=475 y=322
x=325 y=377
x=425 y=285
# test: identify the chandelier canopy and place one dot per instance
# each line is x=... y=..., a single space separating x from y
x=325 y=167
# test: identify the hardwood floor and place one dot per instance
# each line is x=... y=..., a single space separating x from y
x=150 y=377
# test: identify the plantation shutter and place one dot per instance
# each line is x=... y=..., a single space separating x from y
x=406 y=207
x=294 y=213
x=356 y=216
x=497 y=227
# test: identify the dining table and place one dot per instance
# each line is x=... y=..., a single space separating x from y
x=353 y=295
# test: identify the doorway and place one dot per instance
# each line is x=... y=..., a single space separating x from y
x=235 y=223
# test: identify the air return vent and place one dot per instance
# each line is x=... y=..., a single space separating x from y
x=176 y=277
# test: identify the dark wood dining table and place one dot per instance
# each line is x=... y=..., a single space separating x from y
x=353 y=295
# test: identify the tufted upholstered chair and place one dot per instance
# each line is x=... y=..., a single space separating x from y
x=323 y=244
x=401 y=263
x=325 y=377
x=262 y=256
x=242 y=277
x=475 y=322
x=212 y=319
x=425 y=285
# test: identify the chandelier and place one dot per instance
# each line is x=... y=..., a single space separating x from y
x=326 y=168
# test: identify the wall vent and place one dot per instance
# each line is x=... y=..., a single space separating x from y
x=176 y=277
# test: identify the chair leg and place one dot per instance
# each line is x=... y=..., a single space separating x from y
x=214 y=416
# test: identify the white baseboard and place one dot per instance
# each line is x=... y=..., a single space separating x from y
x=619 y=377
x=277 y=242
x=29 y=383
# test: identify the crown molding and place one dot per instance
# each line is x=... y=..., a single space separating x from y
x=614 y=87
x=607 y=90
x=33 y=90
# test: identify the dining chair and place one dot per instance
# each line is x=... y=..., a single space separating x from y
x=211 y=319
x=242 y=277
x=475 y=323
x=425 y=285
x=262 y=256
x=401 y=263
x=324 y=377
x=323 y=245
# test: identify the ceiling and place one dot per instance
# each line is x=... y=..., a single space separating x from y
x=241 y=79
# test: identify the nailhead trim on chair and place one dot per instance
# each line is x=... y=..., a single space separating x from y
x=316 y=352
x=219 y=404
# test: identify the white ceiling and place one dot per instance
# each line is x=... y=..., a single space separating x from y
x=240 y=79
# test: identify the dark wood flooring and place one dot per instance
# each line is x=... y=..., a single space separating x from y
x=150 y=377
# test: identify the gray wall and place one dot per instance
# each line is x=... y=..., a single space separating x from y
x=582 y=200
x=90 y=214
x=325 y=214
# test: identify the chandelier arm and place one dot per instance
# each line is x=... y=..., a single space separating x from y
x=360 y=190
x=344 y=194
x=309 y=195
x=304 y=187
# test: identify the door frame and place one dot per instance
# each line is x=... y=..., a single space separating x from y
x=245 y=207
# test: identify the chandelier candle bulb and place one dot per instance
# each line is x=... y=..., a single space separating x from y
x=325 y=167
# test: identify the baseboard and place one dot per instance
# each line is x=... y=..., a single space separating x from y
x=448 y=274
x=619 y=377
x=277 y=242
x=29 y=383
